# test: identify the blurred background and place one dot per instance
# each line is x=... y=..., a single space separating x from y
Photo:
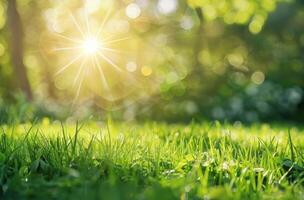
x=178 y=60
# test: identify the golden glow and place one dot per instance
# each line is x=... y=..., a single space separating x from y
x=90 y=50
x=146 y=71
x=91 y=46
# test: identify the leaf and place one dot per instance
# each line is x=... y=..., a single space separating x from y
x=287 y=164
x=291 y=147
x=35 y=165
x=23 y=171
x=293 y=170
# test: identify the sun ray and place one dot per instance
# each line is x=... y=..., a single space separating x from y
x=77 y=26
x=108 y=60
x=67 y=38
x=91 y=50
x=78 y=89
x=111 y=50
x=86 y=17
x=107 y=38
x=67 y=48
x=115 y=41
x=104 y=21
x=79 y=71
x=68 y=64
x=101 y=72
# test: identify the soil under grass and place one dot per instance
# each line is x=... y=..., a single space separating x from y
x=151 y=161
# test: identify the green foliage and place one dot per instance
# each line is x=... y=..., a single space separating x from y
x=20 y=111
x=150 y=161
x=237 y=11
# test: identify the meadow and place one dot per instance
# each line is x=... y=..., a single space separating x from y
x=95 y=160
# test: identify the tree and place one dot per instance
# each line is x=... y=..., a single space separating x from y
x=16 y=47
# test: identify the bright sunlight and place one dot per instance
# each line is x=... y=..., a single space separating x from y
x=88 y=50
x=91 y=46
x=151 y=99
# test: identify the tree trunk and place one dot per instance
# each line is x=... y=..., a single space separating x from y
x=16 y=47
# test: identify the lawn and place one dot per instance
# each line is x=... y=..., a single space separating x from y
x=90 y=160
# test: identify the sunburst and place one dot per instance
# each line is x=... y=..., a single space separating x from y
x=88 y=50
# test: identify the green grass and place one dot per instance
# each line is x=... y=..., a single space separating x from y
x=151 y=161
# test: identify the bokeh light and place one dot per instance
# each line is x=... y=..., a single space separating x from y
x=133 y=11
x=167 y=6
x=258 y=77
x=209 y=55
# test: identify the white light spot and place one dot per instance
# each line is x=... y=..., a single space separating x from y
x=166 y=6
x=93 y=5
x=133 y=11
x=186 y=23
x=90 y=46
x=131 y=66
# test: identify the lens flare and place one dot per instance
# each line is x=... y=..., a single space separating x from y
x=87 y=50
x=91 y=46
